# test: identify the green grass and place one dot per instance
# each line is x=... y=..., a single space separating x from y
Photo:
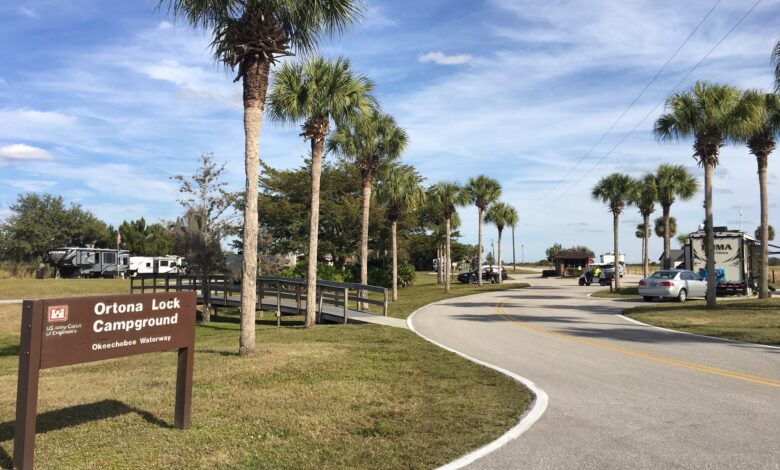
x=47 y=288
x=511 y=271
x=624 y=292
x=343 y=396
x=750 y=320
x=426 y=290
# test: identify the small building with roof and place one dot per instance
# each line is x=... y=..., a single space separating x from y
x=571 y=260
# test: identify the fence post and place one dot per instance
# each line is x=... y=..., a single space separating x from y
x=319 y=316
x=346 y=303
x=298 y=298
x=167 y=282
x=225 y=289
x=384 y=307
x=143 y=285
x=278 y=303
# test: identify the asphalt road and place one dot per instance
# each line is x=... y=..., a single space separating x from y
x=621 y=395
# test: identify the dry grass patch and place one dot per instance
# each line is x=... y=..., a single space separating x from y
x=356 y=396
x=48 y=288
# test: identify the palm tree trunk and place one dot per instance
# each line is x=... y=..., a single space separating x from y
x=615 y=225
x=514 y=262
x=364 y=235
x=317 y=150
x=393 y=241
x=667 y=237
x=710 y=241
x=479 y=255
x=439 y=266
x=763 y=281
x=447 y=258
x=255 y=86
x=645 y=242
x=500 y=276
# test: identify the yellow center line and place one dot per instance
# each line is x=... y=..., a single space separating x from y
x=643 y=355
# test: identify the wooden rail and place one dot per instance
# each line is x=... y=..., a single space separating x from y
x=278 y=292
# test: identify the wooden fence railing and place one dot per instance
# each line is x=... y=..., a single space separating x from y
x=224 y=290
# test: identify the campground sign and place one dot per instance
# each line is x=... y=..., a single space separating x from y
x=61 y=332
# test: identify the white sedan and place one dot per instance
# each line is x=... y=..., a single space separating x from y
x=674 y=283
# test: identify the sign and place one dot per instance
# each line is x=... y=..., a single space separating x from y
x=61 y=332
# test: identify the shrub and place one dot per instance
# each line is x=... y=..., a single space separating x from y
x=380 y=273
x=325 y=272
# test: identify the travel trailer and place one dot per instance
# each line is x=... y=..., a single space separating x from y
x=87 y=262
x=737 y=259
x=170 y=264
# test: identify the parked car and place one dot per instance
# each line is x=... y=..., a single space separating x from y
x=673 y=283
x=471 y=276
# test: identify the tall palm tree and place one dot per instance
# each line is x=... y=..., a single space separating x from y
x=399 y=191
x=249 y=36
x=315 y=92
x=445 y=197
x=644 y=198
x=371 y=141
x=482 y=191
x=616 y=191
x=501 y=214
x=776 y=62
x=712 y=114
x=673 y=182
x=762 y=141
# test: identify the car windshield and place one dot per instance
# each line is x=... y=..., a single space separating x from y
x=664 y=275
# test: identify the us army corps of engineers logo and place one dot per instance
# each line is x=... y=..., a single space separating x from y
x=58 y=313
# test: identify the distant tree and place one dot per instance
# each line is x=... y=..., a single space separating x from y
x=682 y=239
x=644 y=198
x=313 y=93
x=616 y=191
x=489 y=259
x=145 y=240
x=399 y=191
x=770 y=233
x=445 y=197
x=501 y=214
x=672 y=182
x=585 y=249
x=553 y=251
x=41 y=222
x=660 y=227
x=482 y=191
x=199 y=232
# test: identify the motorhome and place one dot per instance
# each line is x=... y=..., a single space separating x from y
x=87 y=262
x=737 y=259
x=170 y=264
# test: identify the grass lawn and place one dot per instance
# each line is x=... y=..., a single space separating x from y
x=750 y=320
x=624 y=292
x=43 y=288
x=343 y=396
x=511 y=271
x=425 y=290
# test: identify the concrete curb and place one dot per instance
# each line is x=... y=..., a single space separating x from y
x=528 y=418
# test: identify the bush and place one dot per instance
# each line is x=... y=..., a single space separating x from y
x=325 y=272
x=380 y=273
x=549 y=273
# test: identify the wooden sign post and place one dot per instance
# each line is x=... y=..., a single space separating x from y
x=61 y=332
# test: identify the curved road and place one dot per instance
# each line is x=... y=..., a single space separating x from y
x=621 y=395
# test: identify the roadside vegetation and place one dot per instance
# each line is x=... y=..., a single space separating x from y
x=623 y=292
x=750 y=320
x=11 y=289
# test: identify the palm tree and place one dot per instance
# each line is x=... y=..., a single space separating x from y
x=712 y=114
x=673 y=182
x=371 y=141
x=644 y=198
x=663 y=227
x=762 y=141
x=776 y=62
x=250 y=36
x=445 y=197
x=501 y=214
x=315 y=92
x=482 y=191
x=616 y=191
x=399 y=191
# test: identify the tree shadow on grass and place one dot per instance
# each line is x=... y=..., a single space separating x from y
x=73 y=416
x=9 y=350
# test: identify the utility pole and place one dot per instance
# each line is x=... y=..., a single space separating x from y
x=522 y=254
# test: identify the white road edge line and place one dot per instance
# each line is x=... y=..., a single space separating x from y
x=526 y=421
x=726 y=340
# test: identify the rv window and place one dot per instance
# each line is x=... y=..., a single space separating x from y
x=109 y=258
x=148 y=265
x=163 y=264
x=88 y=257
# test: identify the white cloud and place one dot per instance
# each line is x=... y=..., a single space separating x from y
x=441 y=58
x=163 y=25
x=28 y=12
x=22 y=152
x=30 y=185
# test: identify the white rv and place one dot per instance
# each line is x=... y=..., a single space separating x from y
x=170 y=264
x=737 y=259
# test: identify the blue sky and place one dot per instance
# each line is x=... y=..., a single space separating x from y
x=103 y=106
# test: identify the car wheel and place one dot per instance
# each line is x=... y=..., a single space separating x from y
x=582 y=282
x=647 y=298
x=682 y=296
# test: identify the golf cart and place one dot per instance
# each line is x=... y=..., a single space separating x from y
x=604 y=278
